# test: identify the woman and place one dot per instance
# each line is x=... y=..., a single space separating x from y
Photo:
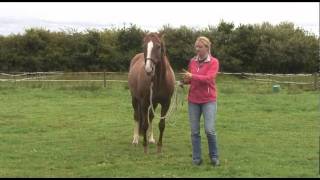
x=202 y=99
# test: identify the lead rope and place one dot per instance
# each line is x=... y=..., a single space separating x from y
x=170 y=108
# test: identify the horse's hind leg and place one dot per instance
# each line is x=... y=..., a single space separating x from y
x=145 y=126
x=150 y=128
x=162 y=124
x=150 y=134
x=136 y=121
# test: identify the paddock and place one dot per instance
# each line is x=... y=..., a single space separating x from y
x=82 y=129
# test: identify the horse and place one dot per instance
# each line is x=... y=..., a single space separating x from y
x=150 y=73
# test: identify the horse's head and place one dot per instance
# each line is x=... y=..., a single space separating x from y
x=153 y=49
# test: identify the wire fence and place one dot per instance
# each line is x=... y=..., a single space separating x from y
x=311 y=81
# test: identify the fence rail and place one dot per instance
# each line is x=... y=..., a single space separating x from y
x=257 y=77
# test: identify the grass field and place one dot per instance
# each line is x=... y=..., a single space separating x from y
x=73 y=129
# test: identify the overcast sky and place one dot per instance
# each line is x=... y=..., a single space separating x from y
x=15 y=17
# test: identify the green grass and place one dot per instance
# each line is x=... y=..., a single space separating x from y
x=59 y=129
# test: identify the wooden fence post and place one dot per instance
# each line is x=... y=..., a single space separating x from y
x=104 y=78
x=315 y=84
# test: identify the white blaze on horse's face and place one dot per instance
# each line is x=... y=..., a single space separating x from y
x=149 y=64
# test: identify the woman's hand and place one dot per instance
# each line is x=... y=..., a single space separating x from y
x=186 y=76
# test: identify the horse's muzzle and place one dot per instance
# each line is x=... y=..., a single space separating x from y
x=149 y=67
x=148 y=70
x=149 y=73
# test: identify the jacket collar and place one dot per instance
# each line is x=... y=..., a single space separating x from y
x=206 y=60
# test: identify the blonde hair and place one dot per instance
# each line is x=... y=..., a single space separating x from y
x=204 y=40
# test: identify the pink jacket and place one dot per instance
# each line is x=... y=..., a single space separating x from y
x=202 y=85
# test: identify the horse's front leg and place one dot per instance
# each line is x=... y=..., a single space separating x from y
x=145 y=143
x=162 y=124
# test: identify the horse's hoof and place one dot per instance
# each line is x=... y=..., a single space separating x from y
x=135 y=142
x=152 y=141
x=145 y=150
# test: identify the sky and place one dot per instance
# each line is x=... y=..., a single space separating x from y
x=16 y=17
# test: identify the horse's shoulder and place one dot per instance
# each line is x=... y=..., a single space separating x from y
x=138 y=55
x=136 y=58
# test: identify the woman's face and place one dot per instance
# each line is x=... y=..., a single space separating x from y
x=201 y=49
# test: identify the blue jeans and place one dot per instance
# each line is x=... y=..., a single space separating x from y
x=209 y=113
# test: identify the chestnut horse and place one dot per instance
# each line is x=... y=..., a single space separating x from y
x=150 y=71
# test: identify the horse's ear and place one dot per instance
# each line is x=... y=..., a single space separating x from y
x=163 y=49
x=145 y=33
x=161 y=34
